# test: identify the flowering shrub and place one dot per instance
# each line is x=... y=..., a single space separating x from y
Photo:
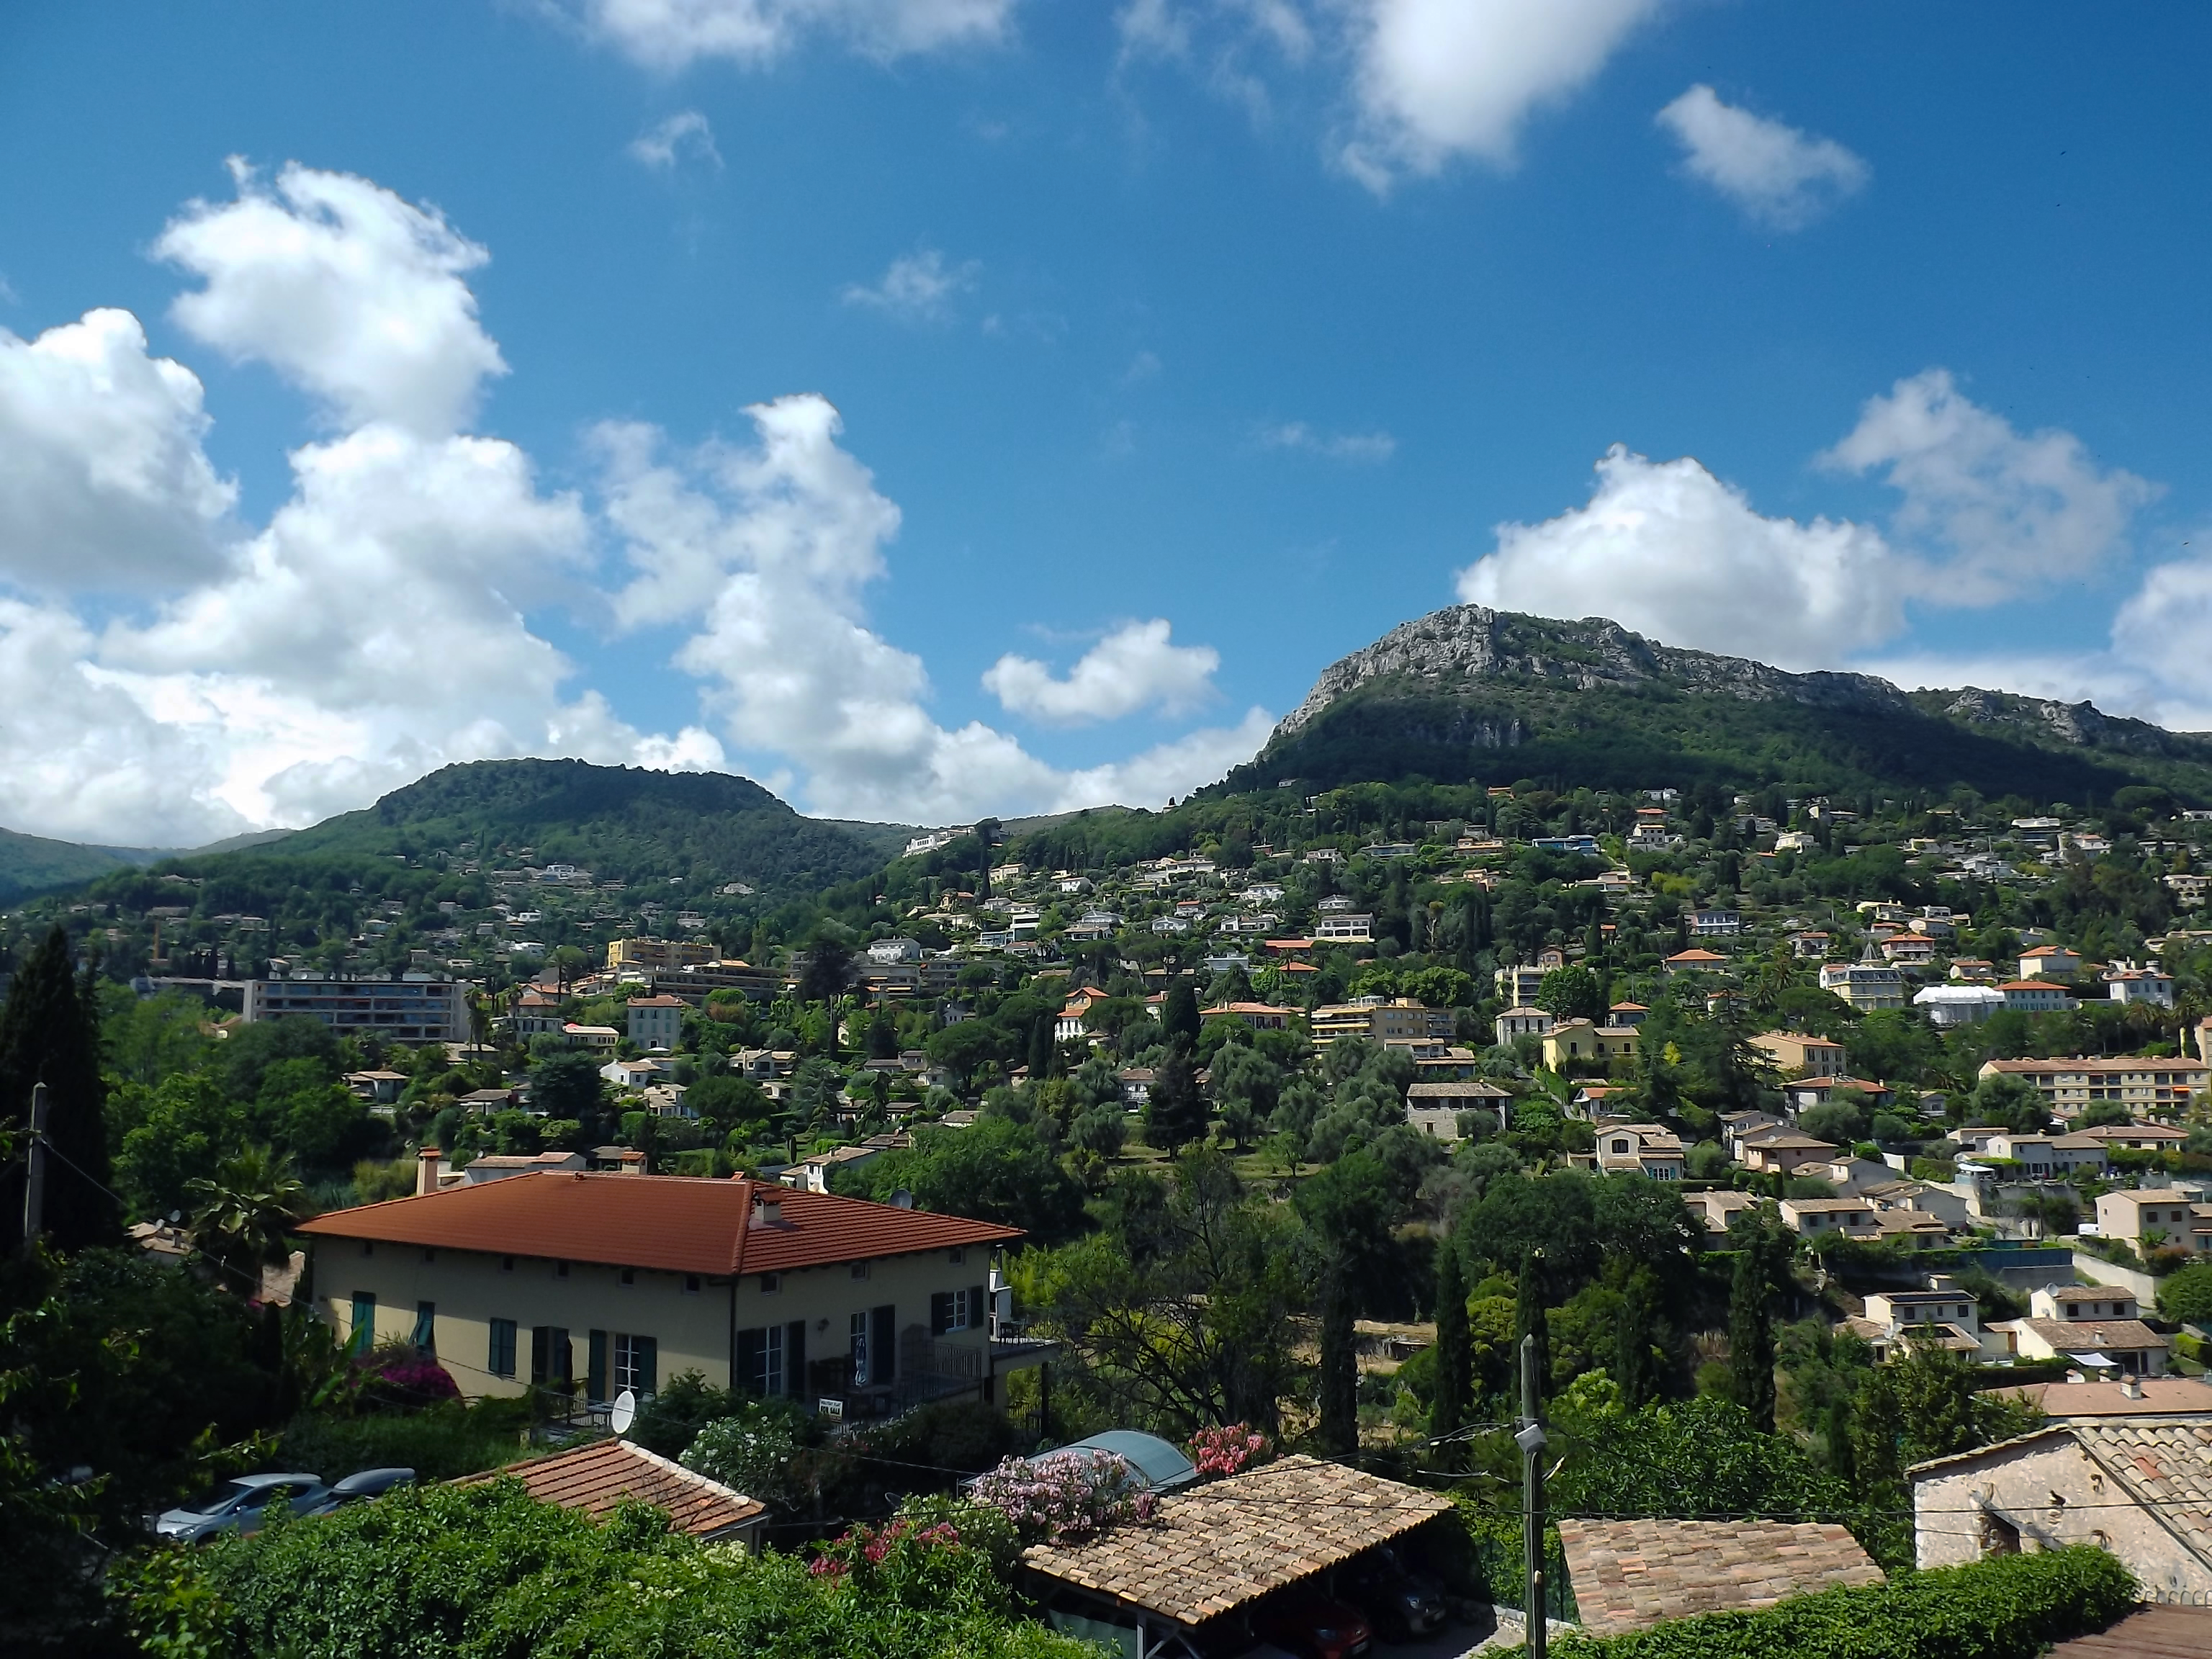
x=870 y=1546
x=1227 y=1448
x=407 y=1378
x=1067 y=1494
x=751 y=1453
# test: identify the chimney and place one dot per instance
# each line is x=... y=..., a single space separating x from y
x=766 y=1211
x=2131 y=1386
x=430 y=1170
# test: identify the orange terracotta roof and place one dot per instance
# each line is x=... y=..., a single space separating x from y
x=673 y=1224
x=597 y=1477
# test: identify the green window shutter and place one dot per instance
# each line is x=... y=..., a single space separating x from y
x=426 y=1327
x=648 y=1365
x=978 y=1309
x=747 y=1379
x=595 y=1381
x=940 y=1313
x=883 y=1344
x=364 y=1321
x=794 y=1358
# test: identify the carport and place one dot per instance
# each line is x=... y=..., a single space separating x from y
x=1217 y=1548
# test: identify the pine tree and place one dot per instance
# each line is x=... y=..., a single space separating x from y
x=1448 y=1411
x=1339 y=1367
x=1751 y=1340
x=50 y=1033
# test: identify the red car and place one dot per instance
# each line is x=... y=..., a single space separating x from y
x=1314 y=1626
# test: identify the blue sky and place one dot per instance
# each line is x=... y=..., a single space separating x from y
x=1175 y=349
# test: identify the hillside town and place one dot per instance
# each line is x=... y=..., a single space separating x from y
x=1754 y=1120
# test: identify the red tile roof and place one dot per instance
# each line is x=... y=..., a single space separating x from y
x=597 y=1477
x=674 y=1224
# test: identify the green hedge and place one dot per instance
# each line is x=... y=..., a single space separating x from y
x=2009 y=1607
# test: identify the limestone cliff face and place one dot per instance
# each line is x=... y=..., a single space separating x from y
x=1455 y=648
x=1448 y=649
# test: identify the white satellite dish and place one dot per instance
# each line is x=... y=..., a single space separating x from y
x=625 y=1412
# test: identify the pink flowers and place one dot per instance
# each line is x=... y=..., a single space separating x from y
x=870 y=1545
x=1067 y=1494
x=1228 y=1448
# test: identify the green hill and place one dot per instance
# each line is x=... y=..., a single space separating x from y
x=1472 y=695
x=30 y=863
x=688 y=830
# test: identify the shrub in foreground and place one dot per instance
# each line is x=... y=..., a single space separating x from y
x=485 y=1572
x=2009 y=1607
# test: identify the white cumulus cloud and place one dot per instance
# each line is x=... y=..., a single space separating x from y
x=686 y=135
x=1777 y=175
x=1668 y=549
x=2001 y=512
x=767 y=551
x=1136 y=666
x=380 y=624
x=1985 y=514
x=345 y=289
x=668 y=34
x=916 y=288
x=103 y=481
x=1438 y=80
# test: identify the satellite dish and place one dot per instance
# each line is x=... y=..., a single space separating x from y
x=625 y=1412
x=902 y=1199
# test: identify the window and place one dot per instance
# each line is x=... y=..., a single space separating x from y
x=860 y=1270
x=630 y=1275
x=858 y=1350
x=367 y=1247
x=760 y=1360
x=364 y=1320
x=560 y=1270
x=500 y=1361
x=506 y=1264
x=552 y=1356
x=636 y=1363
x=956 y=1310
x=426 y=1327
x=690 y=1284
x=771 y=1283
x=955 y=1257
x=429 y=1255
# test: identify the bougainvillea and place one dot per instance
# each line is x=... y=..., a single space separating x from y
x=1227 y=1448
x=1067 y=1494
x=408 y=1378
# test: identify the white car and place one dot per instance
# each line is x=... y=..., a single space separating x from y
x=241 y=1505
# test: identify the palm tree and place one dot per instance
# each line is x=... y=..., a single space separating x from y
x=243 y=1213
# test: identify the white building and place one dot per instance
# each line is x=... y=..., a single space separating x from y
x=413 y=1008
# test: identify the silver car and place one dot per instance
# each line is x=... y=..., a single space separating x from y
x=241 y=1505
x=360 y=1488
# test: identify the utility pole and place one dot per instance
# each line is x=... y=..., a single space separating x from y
x=35 y=1181
x=1529 y=1436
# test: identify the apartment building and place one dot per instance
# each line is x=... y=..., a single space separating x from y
x=657 y=956
x=2144 y=1084
x=1398 y=1019
x=1867 y=985
x=413 y=1008
x=657 y=1021
x=1798 y=1054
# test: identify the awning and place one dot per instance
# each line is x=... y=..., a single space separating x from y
x=2094 y=1361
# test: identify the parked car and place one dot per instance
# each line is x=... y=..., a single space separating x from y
x=1314 y=1626
x=359 y=1488
x=241 y=1505
x=1400 y=1602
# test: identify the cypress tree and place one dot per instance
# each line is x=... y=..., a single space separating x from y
x=1340 y=1366
x=1631 y=1361
x=1175 y=1111
x=1179 y=1014
x=50 y=1034
x=1751 y=1340
x=1528 y=1321
x=1448 y=1411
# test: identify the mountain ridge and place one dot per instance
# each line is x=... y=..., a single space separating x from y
x=1448 y=694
